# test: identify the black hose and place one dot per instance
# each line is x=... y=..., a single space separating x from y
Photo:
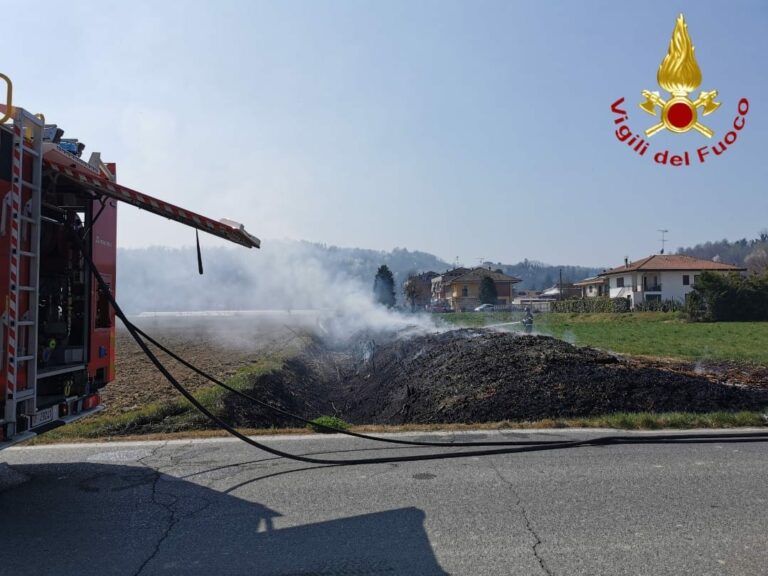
x=334 y=429
x=517 y=448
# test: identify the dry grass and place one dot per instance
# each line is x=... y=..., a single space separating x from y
x=620 y=421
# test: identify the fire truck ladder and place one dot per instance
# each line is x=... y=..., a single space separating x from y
x=24 y=258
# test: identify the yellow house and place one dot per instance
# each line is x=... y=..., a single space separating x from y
x=460 y=287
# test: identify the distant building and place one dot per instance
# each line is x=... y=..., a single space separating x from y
x=569 y=290
x=460 y=287
x=533 y=300
x=660 y=277
x=593 y=287
x=418 y=289
x=524 y=296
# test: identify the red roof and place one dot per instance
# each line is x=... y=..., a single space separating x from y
x=588 y=281
x=479 y=272
x=673 y=262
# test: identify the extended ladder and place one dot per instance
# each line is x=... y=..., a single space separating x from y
x=24 y=266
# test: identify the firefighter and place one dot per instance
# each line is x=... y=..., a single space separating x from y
x=528 y=320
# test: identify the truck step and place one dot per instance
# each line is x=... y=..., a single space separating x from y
x=24 y=394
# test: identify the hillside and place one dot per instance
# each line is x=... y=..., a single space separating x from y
x=752 y=253
x=540 y=276
x=283 y=275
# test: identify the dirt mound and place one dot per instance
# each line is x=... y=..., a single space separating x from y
x=474 y=375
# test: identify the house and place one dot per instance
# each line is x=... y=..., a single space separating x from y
x=418 y=289
x=533 y=300
x=659 y=277
x=557 y=292
x=525 y=296
x=460 y=287
x=442 y=282
x=593 y=287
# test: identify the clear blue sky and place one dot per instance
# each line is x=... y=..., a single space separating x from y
x=469 y=129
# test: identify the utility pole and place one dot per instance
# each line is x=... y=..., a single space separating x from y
x=560 y=295
x=663 y=238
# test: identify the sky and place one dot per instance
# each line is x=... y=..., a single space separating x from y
x=471 y=130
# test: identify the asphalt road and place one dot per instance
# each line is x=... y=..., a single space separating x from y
x=220 y=507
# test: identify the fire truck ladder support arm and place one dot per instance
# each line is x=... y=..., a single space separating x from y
x=227 y=229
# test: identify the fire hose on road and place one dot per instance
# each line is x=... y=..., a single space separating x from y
x=491 y=448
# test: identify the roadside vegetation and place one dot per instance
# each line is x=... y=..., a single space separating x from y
x=317 y=425
x=665 y=335
x=619 y=421
x=168 y=416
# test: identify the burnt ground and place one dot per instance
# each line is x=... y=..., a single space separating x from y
x=475 y=375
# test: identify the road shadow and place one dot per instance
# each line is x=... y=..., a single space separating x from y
x=106 y=519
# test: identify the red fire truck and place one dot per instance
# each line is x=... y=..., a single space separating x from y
x=57 y=330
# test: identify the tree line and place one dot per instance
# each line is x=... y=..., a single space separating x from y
x=750 y=253
x=729 y=297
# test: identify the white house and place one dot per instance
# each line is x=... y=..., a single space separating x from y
x=593 y=287
x=660 y=277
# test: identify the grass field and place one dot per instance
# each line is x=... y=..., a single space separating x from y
x=648 y=333
x=644 y=333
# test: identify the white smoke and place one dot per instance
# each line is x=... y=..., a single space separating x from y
x=289 y=282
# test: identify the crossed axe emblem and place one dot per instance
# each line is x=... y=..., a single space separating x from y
x=679 y=114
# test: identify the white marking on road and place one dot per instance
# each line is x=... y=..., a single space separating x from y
x=120 y=456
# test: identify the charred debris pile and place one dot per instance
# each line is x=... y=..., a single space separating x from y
x=475 y=375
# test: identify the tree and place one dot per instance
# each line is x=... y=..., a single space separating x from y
x=384 y=286
x=488 y=293
x=757 y=260
x=729 y=297
x=415 y=291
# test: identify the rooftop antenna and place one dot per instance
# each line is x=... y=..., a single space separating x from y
x=663 y=238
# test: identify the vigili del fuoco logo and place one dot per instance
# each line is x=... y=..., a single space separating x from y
x=680 y=75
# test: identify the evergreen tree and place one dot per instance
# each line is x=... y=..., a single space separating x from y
x=729 y=297
x=384 y=286
x=488 y=293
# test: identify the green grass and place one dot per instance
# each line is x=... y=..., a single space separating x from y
x=653 y=421
x=330 y=421
x=474 y=319
x=162 y=417
x=619 y=421
x=645 y=333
